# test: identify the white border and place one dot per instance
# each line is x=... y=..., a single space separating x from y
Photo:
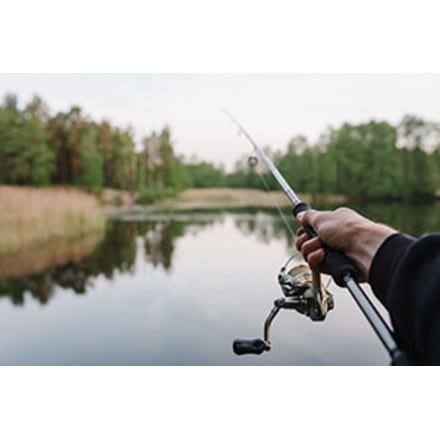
x=219 y=36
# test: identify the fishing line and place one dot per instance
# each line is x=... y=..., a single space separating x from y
x=271 y=196
x=253 y=162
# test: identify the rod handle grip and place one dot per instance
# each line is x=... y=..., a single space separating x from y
x=335 y=261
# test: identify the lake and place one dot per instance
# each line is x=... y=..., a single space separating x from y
x=177 y=289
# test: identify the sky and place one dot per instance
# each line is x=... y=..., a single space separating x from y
x=272 y=107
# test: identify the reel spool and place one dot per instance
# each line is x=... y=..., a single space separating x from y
x=303 y=291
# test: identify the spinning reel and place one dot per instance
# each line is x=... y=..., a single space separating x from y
x=303 y=292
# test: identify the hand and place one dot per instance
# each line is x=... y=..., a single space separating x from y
x=345 y=230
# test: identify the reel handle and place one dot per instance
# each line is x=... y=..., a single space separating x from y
x=249 y=346
x=335 y=261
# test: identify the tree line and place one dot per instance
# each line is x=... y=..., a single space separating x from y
x=374 y=160
x=370 y=161
x=69 y=148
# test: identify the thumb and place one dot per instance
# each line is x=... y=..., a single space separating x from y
x=308 y=218
x=303 y=217
x=300 y=216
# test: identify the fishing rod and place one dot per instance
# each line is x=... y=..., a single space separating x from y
x=299 y=287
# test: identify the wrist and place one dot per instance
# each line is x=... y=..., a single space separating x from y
x=368 y=239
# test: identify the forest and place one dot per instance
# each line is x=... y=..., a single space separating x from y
x=373 y=160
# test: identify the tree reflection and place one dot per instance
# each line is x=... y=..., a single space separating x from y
x=268 y=225
x=125 y=241
x=159 y=241
x=116 y=253
x=413 y=219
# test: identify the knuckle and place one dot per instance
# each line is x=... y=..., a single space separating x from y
x=343 y=210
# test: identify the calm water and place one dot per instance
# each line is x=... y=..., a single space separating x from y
x=176 y=290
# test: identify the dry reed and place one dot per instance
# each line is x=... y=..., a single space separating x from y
x=31 y=217
x=218 y=198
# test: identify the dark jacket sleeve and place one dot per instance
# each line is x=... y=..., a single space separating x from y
x=405 y=276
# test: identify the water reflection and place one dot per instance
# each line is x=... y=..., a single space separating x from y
x=117 y=250
x=114 y=254
x=267 y=226
x=176 y=290
x=413 y=219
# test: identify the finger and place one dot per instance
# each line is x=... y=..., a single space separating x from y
x=316 y=260
x=310 y=246
x=300 y=231
x=301 y=239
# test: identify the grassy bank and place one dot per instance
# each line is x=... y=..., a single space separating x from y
x=31 y=217
x=223 y=198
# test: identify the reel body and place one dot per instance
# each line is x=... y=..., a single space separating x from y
x=303 y=291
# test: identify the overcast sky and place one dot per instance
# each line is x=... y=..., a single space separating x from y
x=273 y=108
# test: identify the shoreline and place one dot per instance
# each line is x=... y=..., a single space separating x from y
x=230 y=198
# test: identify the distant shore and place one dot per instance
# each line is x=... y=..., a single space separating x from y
x=223 y=198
